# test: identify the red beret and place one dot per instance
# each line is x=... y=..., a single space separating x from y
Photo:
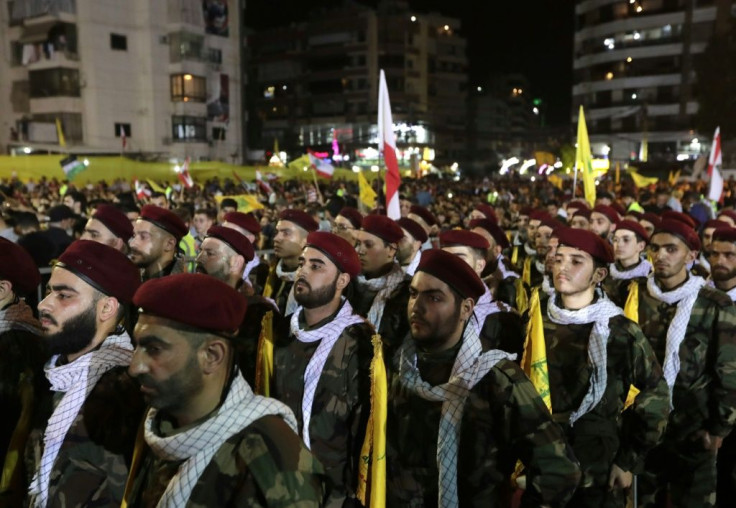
x=339 y=250
x=114 y=220
x=551 y=223
x=634 y=213
x=715 y=223
x=619 y=209
x=494 y=229
x=582 y=212
x=425 y=214
x=300 y=218
x=243 y=220
x=17 y=266
x=353 y=215
x=653 y=218
x=193 y=299
x=235 y=239
x=414 y=228
x=634 y=227
x=682 y=217
x=453 y=271
x=165 y=219
x=578 y=205
x=681 y=230
x=610 y=212
x=728 y=213
x=487 y=211
x=382 y=227
x=724 y=234
x=587 y=241
x=539 y=215
x=464 y=238
x=102 y=267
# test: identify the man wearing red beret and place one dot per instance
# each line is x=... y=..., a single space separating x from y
x=603 y=220
x=629 y=245
x=498 y=274
x=410 y=246
x=154 y=244
x=580 y=219
x=96 y=408
x=256 y=271
x=442 y=447
x=520 y=249
x=207 y=439
x=706 y=238
x=291 y=236
x=427 y=220
x=692 y=329
x=322 y=363
x=593 y=356
x=347 y=222
x=110 y=226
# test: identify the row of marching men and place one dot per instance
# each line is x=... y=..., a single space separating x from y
x=405 y=385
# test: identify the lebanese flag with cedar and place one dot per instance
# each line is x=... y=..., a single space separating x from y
x=387 y=143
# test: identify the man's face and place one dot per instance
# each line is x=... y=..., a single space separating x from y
x=523 y=224
x=405 y=206
x=468 y=255
x=648 y=227
x=433 y=311
x=572 y=271
x=344 y=228
x=579 y=222
x=289 y=240
x=68 y=314
x=552 y=209
x=147 y=243
x=373 y=252
x=662 y=199
x=165 y=364
x=549 y=257
x=670 y=256
x=544 y=233
x=407 y=248
x=493 y=250
x=201 y=223
x=98 y=232
x=214 y=259
x=626 y=246
x=707 y=238
x=722 y=261
x=600 y=225
x=132 y=215
x=69 y=201
x=531 y=230
x=224 y=211
x=316 y=279
x=159 y=201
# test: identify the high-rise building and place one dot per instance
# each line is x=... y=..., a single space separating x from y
x=634 y=73
x=165 y=75
x=316 y=82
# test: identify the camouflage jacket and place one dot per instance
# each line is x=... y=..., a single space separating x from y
x=618 y=289
x=704 y=395
x=504 y=331
x=504 y=419
x=92 y=465
x=246 y=341
x=607 y=434
x=341 y=401
x=264 y=465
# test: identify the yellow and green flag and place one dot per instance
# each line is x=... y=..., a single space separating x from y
x=642 y=181
x=367 y=194
x=246 y=202
x=264 y=356
x=534 y=361
x=584 y=159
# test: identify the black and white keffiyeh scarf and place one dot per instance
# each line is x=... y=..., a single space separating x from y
x=385 y=286
x=291 y=304
x=643 y=269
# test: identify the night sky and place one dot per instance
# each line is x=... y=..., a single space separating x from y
x=532 y=37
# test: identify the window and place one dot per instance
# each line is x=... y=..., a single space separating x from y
x=189 y=128
x=122 y=126
x=218 y=133
x=186 y=46
x=214 y=55
x=54 y=83
x=187 y=87
x=118 y=42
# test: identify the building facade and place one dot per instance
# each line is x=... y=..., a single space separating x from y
x=152 y=79
x=634 y=73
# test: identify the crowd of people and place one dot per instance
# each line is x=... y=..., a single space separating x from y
x=535 y=349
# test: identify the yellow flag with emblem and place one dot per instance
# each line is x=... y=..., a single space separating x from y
x=642 y=181
x=367 y=194
x=534 y=360
x=523 y=282
x=584 y=159
x=264 y=356
x=631 y=311
x=371 y=489
x=246 y=202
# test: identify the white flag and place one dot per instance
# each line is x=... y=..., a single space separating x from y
x=714 y=168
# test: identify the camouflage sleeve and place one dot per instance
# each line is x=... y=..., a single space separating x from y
x=551 y=468
x=722 y=396
x=644 y=423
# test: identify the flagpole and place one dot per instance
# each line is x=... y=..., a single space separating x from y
x=575 y=181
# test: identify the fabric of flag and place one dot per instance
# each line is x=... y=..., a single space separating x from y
x=60 y=133
x=265 y=187
x=182 y=173
x=72 y=167
x=300 y=163
x=534 y=361
x=367 y=195
x=584 y=159
x=715 y=191
x=141 y=191
x=643 y=181
x=246 y=202
x=321 y=166
x=371 y=489
x=156 y=187
x=387 y=144
x=523 y=282
x=631 y=311
x=264 y=356
x=123 y=137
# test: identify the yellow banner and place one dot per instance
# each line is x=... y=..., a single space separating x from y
x=246 y=202
x=367 y=194
x=584 y=159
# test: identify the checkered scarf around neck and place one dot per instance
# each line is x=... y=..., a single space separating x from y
x=196 y=446
x=250 y=265
x=385 y=285
x=470 y=366
x=731 y=292
x=529 y=251
x=291 y=304
x=76 y=379
x=328 y=335
x=684 y=297
x=547 y=285
x=598 y=313
x=411 y=268
x=539 y=265
x=505 y=272
x=640 y=270
x=486 y=306
x=19 y=316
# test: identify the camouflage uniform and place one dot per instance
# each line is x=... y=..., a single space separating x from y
x=246 y=342
x=503 y=420
x=504 y=331
x=704 y=397
x=177 y=265
x=263 y=465
x=618 y=289
x=502 y=289
x=607 y=434
x=341 y=401
x=92 y=465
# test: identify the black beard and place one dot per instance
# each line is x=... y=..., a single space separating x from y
x=75 y=335
x=316 y=298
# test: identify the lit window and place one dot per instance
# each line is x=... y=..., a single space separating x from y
x=187 y=87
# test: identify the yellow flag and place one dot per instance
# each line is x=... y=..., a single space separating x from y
x=618 y=173
x=523 y=282
x=643 y=181
x=372 y=484
x=555 y=180
x=156 y=187
x=300 y=163
x=515 y=255
x=60 y=133
x=631 y=311
x=534 y=361
x=674 y=176
x=367 y=194
x=584 y=159
x=264 y=356
x=246 y=202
